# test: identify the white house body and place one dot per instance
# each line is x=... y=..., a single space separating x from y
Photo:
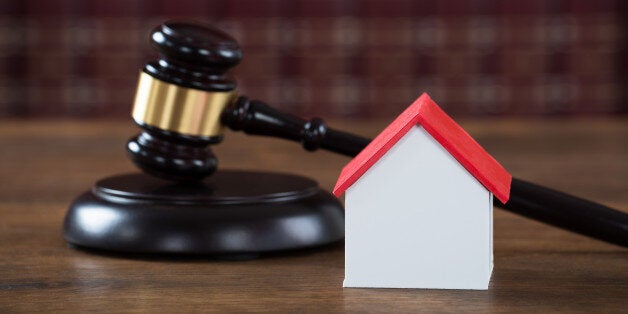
x=418 y=219
x=419 y=205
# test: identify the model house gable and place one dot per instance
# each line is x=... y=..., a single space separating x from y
x=425 y=112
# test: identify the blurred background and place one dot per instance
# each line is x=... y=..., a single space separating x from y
x=329 y=58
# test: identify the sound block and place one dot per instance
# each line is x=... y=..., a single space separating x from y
x=239 y=213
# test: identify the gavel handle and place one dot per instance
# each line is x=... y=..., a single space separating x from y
x=527 y=199
x=257 y=118
x=567 y=211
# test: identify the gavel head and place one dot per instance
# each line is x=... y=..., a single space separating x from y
x=180 y=99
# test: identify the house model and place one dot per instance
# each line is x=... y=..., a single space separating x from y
x=419 y=205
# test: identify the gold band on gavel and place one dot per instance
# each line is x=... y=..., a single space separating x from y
x=179 y=109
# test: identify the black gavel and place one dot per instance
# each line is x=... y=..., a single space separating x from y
x=185 y=99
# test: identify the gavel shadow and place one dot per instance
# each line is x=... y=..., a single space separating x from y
x=209 y=258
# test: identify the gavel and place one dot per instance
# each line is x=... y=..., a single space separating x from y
x=186 y=98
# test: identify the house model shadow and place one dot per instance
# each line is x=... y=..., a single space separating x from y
x=419 y=205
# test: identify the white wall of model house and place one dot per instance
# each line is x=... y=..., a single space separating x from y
x=418 y=219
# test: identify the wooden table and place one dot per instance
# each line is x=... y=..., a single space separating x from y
x=45 y=164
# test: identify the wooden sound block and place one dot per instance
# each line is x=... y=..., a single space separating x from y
x=231 y=213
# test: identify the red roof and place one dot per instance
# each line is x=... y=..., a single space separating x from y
x=425 y=112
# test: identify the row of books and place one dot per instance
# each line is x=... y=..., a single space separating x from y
x=322 y=58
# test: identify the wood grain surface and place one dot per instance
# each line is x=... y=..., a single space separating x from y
x=45 y=164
